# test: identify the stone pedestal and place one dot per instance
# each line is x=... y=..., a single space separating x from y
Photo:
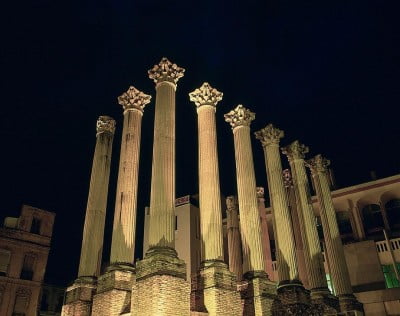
x=293 y=300
x=79 y=298
x=114 y=289
x=214 y=291
x=258 y=295
x=161 y=287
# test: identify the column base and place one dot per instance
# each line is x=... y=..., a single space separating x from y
x=258 y=294
x=214 y=290
x=324 y=302
x=114 y=288
x=293 y=299
x=349 y=305
x=79 y=297
x=161 y=287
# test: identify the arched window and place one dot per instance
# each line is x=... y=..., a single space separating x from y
x=393 y=213
x=372 y=219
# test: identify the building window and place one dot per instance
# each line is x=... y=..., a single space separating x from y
x=344 y=225
x=35 y=227
x=5 y=256
x=21 y=302
x=27 y=267
x=176 y=222
x=393 y=213
x=390 y=276
x=372 y=219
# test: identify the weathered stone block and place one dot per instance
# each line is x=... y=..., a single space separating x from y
x=78 y=298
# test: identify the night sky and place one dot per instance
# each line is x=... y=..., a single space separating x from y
x=326 y=72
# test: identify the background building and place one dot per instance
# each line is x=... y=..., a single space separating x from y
x=24 y=249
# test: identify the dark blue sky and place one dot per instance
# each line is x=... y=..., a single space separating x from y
x=324 y=72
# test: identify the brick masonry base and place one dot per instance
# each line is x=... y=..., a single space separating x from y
x=214 y=291
x=258 y=294
x=79 y=297
x=113 y=296
x=350 y=306
x=161 y=287
x=324 y=302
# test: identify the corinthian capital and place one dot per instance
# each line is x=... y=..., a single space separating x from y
x=205 y=95
x=105 y=124
x=166 y=71
x=134 y=99
x=231 y=203
x=318 y=164
x=240 y=116
x=295 y=150
x=269 y=135
x=287 y=178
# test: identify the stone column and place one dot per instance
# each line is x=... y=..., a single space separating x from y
x=250 y=227
x=286 y=251
x=216 y=284
x=161 y=287
x=234 y=243
x=133 y=102
x=313 y=257
x=292 y=295
x=79 y=296
x=288 y=184
x=114 y=287
x=340 y=274
x=264 y=232
x=206 y=99
x=93 y=231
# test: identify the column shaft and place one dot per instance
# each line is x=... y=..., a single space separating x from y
x=234 y=243
x=93 y=232
x=334 y=247
x=312 y=253
x=162 y=199
x=123 y=238
x=209 y=187
x=253 y=256
x=287 y=262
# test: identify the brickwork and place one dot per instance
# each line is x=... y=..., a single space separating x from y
x=163 y=295
x=214 y=289
x=161 y=287
x=78 y=299
x=113 y=295
x=258 y=296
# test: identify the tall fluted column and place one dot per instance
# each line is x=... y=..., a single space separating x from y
x=264 y=231
x=288 y=184
x=340 y=274
x=234 y=244
x=312 y=254
x=133 y=102
x=162 y=197
x=79 y=296
x=240 y=119
x=161 y=286
x=93 y=231
x=286 y=256
x=206 y=99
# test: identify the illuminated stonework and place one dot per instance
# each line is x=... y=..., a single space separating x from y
x=105 y=124
x=313 y=258
x=134 y=99
x=240 y=116
x=166 y=71
x=269 y=135
x=206 y=95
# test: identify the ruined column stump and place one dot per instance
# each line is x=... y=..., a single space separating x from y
x=114 y=289
x=161 y=287
x=214 y=291
x=79 y=297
